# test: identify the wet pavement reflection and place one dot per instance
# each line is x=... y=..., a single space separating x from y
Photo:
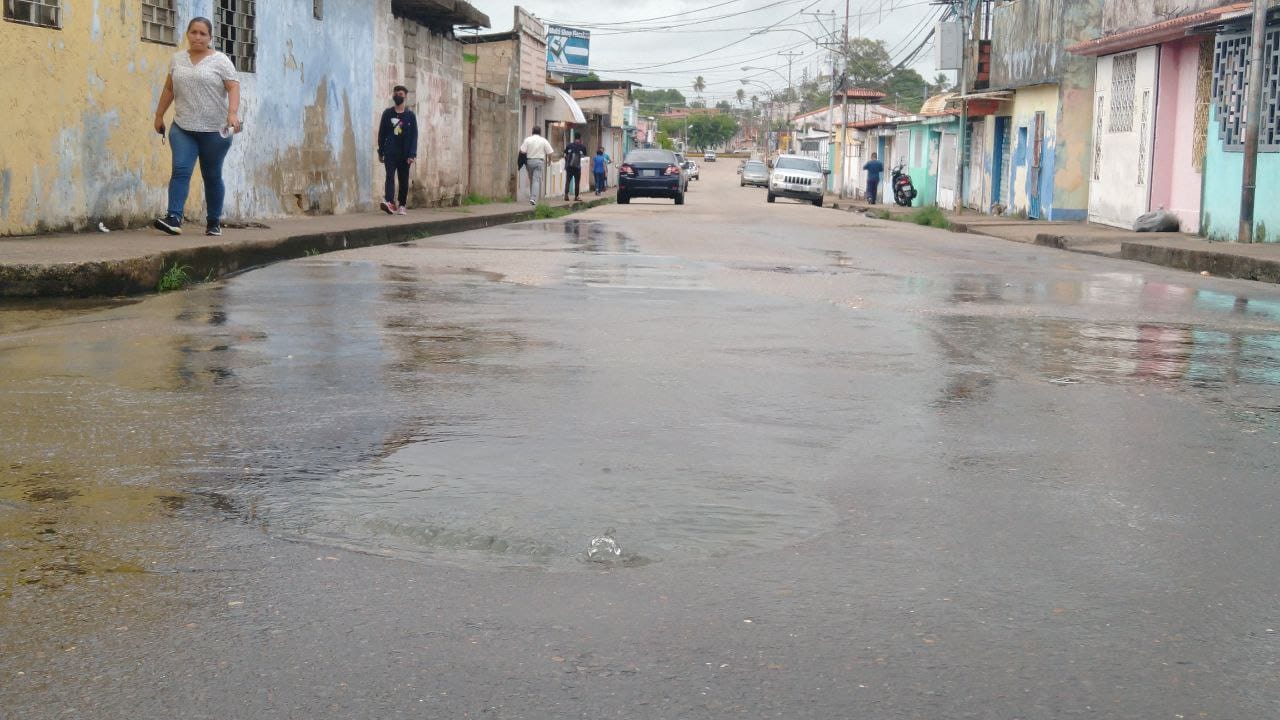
x=442 y=410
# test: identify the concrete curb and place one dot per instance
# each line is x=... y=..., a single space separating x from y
x=1215 y=263
x=135 y=276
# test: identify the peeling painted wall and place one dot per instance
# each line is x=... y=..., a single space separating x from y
x=85 y=150
x=1121 y=15
x=1029 y=40
x=78 y=145
x=431 y=66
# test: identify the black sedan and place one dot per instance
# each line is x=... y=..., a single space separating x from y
x=651 y=173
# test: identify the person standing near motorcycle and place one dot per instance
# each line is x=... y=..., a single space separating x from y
x=874 y=169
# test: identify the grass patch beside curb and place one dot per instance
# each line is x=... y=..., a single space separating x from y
x=930 y=216
x=548 y=212
x=175 y=278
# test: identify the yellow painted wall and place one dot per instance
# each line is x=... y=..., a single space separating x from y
x=77 y=144
x=1026 y=103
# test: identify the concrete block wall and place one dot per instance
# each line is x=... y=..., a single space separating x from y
x=431 y=66
x=492 y=145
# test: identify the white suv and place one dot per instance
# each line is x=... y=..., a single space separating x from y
x=799 y=177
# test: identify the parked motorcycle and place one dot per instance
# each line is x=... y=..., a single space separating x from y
x=903 y=190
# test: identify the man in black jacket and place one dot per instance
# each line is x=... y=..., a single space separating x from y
x=397 y=149
x=573 y=154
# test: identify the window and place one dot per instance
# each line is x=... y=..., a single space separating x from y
x=235 y=22
x=1124 y=75
x=159 y=22
x=45 y=13
x=1230 y=85
x=317 y=9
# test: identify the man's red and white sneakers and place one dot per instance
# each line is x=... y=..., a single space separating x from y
x=401 y=211
x=388 y=207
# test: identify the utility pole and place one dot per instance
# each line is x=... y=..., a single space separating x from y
x=1252 y=121
x=963 y=77
x=844 y=109
x=790 y=56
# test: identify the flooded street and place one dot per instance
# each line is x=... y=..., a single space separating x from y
x=853 y=469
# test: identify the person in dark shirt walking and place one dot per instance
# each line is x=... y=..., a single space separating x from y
x=397 y=150
x=874 y=168
x=574 y=152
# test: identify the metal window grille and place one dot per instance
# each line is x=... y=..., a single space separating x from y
x=236 y=37
x=1204 y=97
x=159 y=22
x=317 y=9
x=1142 y=137
x=1097 y=141
x=45 y=13
x=1124 y=75
x=1230 y=90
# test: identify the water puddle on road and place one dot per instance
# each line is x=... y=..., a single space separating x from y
x=443 y=414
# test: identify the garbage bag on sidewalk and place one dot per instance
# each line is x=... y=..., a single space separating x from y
x=1157 y=221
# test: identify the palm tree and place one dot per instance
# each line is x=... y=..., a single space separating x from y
x=699 y=85
x=740 y=96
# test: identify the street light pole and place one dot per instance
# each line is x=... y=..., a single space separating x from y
x=790 y=56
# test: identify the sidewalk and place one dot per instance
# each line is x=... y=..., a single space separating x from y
x=1259 y=261
x=129 y=262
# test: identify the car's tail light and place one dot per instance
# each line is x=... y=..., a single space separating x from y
x=672 y=170
x=626 y=169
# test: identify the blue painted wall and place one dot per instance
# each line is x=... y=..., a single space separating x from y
x=1223 y=171
x=308 y=142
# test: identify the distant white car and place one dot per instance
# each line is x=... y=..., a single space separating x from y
x=690 y=169
x=709 y=157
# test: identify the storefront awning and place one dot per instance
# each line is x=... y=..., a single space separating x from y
x=561 y=107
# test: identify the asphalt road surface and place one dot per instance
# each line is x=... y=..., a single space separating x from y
x=852 y=468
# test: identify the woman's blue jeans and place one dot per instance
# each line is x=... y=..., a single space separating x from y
x=211 y=149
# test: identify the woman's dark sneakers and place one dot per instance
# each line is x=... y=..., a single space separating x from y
x=171 y=224
x=214 y=229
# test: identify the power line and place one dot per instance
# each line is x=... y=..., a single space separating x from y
x=708 y=52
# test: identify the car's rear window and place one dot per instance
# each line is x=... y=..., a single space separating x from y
x=651 y=156
x=755 y=166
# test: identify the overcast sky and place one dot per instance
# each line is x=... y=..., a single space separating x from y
x=635 y=41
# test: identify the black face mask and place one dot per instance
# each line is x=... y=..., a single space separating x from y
x=397 y=99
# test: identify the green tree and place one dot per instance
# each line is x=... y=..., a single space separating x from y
x=656 y=101
x=741 y=97
x=711 y=131
x=582 y=78
x=699 y=85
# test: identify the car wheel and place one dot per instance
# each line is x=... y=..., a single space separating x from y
x=772 y=197
x=818 y=202
x=679 y=198
x=741 y=184
x=624 y=199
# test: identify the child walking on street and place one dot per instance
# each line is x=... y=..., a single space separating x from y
x=600 y=170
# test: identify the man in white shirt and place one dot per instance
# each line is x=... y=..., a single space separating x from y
x=536 y=151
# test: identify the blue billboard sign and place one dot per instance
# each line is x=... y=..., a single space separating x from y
x=568 y=50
